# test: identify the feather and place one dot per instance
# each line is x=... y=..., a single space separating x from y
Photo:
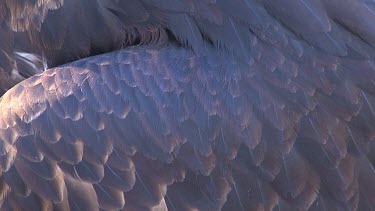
x=46 y=169
x=362 y=28
x=364 y=180
x=120 y=160
x=82 y=195
x=297 y=181
x=15 y=182
x=90 y=156
x=64 y=205
x=84 y=171
x=146 y=191
x=96 y=140
x=118 y=179
x=245 y=106
x=51 y=189
x=32 y=201
x=197 y=162
x=210 y=196
x=7 y=160
x=314 y=16
x=190 y=35
x=28 y=149
x=109 y=198
x=68 y=152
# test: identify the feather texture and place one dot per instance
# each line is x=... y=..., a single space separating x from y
x=231 y=105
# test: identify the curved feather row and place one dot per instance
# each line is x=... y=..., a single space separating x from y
x=167 y=127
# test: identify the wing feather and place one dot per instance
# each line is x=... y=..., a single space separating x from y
x=268 y=109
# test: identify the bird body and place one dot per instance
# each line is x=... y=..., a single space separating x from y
x=187 y=105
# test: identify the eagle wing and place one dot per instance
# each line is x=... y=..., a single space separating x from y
x=264 y=108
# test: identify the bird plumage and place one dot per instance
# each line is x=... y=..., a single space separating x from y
x=209 y=105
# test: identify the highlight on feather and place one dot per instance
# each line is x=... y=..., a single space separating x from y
x=30 y=63
x=21 y=15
